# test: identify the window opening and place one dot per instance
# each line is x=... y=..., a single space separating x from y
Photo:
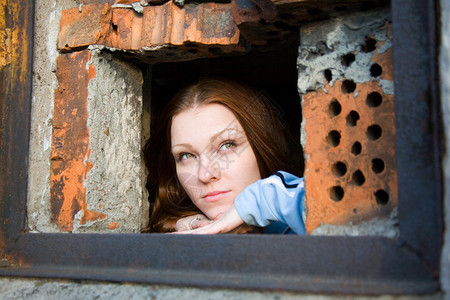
x=272 y=72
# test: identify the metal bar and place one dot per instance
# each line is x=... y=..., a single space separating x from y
x=419 y=184
x=15 y=107
x=362 y=265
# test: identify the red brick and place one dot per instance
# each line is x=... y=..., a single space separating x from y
x=89 y=27
x=322 y=116
x=167 y=24
x=70 y=145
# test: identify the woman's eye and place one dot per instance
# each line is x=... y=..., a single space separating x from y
x=184 y=156
x=227 y=146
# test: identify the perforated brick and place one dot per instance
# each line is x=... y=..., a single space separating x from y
x=350 y=159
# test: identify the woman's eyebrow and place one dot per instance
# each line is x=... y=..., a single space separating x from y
x=212 y=138
x=218 y=134
x=187 y=145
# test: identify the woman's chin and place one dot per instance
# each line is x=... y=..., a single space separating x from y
x=218 y=215
x=214 y=215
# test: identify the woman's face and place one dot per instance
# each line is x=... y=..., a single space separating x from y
x=213 y=158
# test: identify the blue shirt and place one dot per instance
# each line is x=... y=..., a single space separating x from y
x=278 y=198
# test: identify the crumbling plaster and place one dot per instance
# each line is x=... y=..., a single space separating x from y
x=323 y=44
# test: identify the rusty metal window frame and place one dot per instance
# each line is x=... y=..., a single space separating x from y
x=313 y=264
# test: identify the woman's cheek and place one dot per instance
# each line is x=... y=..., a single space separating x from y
x=190 y=183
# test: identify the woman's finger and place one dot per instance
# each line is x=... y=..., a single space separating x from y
x=227 y=222
x=191 y=222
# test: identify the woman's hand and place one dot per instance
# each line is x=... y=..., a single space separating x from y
x=227 y=222
x=192 y=222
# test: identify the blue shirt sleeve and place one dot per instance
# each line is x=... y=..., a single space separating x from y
x=278 y=198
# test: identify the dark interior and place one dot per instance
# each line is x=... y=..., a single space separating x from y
x=273 y=72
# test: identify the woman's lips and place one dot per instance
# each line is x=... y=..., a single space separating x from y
x=214 y=196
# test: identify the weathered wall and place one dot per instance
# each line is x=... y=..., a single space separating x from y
x=444 y=64
x=87 y=119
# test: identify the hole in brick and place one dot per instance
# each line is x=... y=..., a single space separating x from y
x=377 y=165
x=347 y=59
x=334 y=138
x=370 y=45
x=358 y=178
x=328 y=75
x=336 y=193
x=352 y=118
x=339 y=169
x=374 y=99
x=376 y=70
x=334 y=108
x=114 y=27
x=382 y=197
x=374 y=132
x=356 y=148
x=348 y=86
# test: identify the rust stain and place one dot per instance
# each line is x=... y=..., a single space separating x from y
x=113 y=225
x=70 y=145
x=5 y=37
x=11 y=39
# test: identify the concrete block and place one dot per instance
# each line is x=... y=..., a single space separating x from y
x=97 y=175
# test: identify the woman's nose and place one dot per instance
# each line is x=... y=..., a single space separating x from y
x=208 y=170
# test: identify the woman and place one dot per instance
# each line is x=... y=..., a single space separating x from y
x=216 y=138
